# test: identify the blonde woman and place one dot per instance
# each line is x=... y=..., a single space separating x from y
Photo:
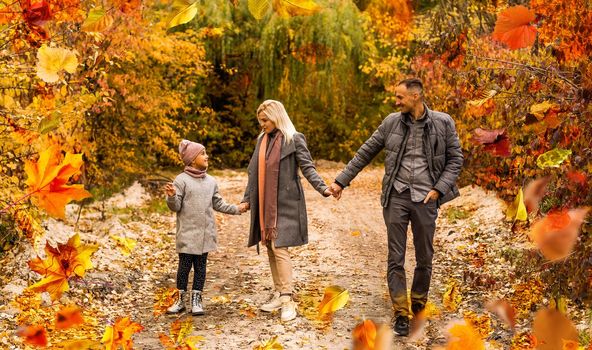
x=274 y=195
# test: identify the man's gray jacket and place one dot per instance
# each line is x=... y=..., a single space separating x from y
x=441 y=147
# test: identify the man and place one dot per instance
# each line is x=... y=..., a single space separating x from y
x=423 y=161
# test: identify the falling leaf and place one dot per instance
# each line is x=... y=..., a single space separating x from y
x=553 y=158
x=271 y=344
x=259 y=8
x=34 y=335
x=287 y=8
x=47 y=181
x=63 y=262
x=517 y=211
x=364 y=335
x=126 y=245
x=69 y=316
x=534 y=193
x=180 y=330
x=419 y=320
x=120 y=334
x=451 y=297
x=186 y=11
x=513 y=27
x=570 y=345
x=556 y=234
x=98 y=20
x=52 y=60
x=539 y=110
x=335 y=298
x=384 y=338
x=503 y=310
x=480 y=323
x=495 y=141
x=463 y=337
x=486 y=96
x=551 y=328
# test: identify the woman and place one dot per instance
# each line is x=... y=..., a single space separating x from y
x=275 y=197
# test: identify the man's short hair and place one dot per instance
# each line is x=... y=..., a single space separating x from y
x=412 y=84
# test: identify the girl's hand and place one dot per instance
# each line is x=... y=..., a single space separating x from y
x=328 y=192
x=169 y=189
x=243 y=207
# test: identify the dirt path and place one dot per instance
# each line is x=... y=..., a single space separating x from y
x=347 y=247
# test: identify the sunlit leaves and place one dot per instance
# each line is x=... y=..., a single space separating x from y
x=556 y=234
x=335 y=298
x=68 y=316
x=120 y=334
x=185 y=12
x=271 y=344
x=551 y=328
x=34 y=335
x=540 y=109
x=517 y=210
x=514 y=28
x=553 y=158
x=47 y=180
x=486 y=96
x=65 y=261
x=126 y=245
x=163 y=299
x=180 y=339
x=52 y=60
x=98 y=20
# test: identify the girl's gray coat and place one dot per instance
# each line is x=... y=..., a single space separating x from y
x=194 y=202
x=291 y=219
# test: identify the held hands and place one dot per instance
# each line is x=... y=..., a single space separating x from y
x=243 y=207
x=336 y=190
x=433 y=195
x=169 y=189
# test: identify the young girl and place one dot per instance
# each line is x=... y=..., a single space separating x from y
x=194 y=197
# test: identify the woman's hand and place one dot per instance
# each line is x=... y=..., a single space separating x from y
x=169 y=189
x=328 y=192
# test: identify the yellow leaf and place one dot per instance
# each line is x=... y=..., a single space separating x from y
x=334 y=299
x=52 y=60
x=553 y=158
x=120 y=334
x=61 y=263
x=451 y=297
x=271 y=344
x=125 y=244
x=299 y=7
x=186 y=13
x=83 y=344
x=97 y=21
x=517 y=211
x=259 y=8
x=356 y=233
x=540 y=109
x=486 y=96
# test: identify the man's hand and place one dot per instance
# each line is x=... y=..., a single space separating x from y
x=336 y=190
x=433 y=195
x=243 y=207
x=169 y=189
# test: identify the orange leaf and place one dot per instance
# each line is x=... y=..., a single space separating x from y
x=513 y=27
x=556 y=234
x=69 y=316
x=463 y=336
x=62 y=263
x=551 y=328
x=47 y=181
x=34 y=335
x=364 y=335
x=120 y=334
x=578 y=177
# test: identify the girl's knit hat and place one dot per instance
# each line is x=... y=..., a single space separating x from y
x=188 y=150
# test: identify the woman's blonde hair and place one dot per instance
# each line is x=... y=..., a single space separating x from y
x=275 y=111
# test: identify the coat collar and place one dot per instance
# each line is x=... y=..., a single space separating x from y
x=287 y=149
x=406 y=118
